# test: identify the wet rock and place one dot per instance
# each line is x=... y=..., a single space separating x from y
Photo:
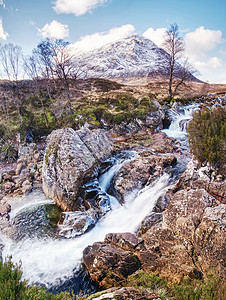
x=94 y=197
x=108 y=264
x=76 y=223
x=144 y=169
x=70 y=158
x=152 y=219
x=154 y=119
x=5 y=208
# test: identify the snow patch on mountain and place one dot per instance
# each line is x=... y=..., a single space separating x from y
x=131 y=57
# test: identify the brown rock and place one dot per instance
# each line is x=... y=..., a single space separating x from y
x=127 y=241
x=144 y=169
x=26 y=186
x=108 y=264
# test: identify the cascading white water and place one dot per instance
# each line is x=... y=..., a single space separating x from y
x=50 y=261
x=175 y=130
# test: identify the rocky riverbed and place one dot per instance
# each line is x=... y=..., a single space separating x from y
x=182 y=235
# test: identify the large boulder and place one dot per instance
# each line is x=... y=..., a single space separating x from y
x=108 y=263
x=70 y=158
x=190 y=238
x=144 y=169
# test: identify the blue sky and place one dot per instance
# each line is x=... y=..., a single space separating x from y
x=88 y=24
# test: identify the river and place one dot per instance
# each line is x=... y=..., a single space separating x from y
x=55 y=262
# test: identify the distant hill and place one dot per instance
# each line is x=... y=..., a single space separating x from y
x=129 y=59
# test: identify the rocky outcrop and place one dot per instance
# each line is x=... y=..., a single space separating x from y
x=203 y=177
x=144 y=169
x=183 y=236
x=70 y=160
x=108 y=263
x=19 y=177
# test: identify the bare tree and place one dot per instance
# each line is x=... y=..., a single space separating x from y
x=174 y=45
x=32 y=68
x=11 y=58
x=57 y=60
x=59 y=64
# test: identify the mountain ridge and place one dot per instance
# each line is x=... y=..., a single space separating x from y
x=131 y=58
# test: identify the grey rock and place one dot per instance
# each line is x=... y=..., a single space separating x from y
x=70 y=158
x=76 y=223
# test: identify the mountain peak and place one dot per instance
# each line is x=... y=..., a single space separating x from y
x=128 y=59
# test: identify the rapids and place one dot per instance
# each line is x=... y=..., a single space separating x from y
x=53 y=261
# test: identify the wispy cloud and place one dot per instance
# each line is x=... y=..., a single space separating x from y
x=3 y=34
x=99 y=39
x=77 y=7
x=54 y=30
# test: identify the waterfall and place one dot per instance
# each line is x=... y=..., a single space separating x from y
x=180 y=119
x=50 y=260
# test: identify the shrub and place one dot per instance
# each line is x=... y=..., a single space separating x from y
x=207 y=136
x=12 y=287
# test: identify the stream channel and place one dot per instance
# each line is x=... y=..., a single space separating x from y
x=56 y=262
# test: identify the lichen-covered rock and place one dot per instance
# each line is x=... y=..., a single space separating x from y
x=70 y=158
x=190 y=240
x=126 y=240
x=5 y=208
x=108 y=264
x=185 y=210
x=152 y=219
x=144 y=169
x=203 y=177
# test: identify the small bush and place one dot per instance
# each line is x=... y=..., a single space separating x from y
x=207 y=136
x=12 y=287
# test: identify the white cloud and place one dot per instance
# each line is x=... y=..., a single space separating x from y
x=200 y=41
x=211 y=63
x=77 y=7
x=157 y=36
x=2 y=3
x=54 y=30
x=99 y=39
x=3 y=34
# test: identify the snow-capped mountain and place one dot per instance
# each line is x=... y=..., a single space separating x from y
x=134 y=57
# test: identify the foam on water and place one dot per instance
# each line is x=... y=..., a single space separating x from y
x=51 y=261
